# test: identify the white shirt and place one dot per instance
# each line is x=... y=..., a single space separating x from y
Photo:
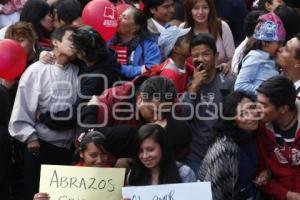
x=159 y=27
x=238 y=53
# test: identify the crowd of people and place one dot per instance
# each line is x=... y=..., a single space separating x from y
x=184 y=91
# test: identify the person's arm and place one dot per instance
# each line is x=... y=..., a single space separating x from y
x=186 y=174
x=190 y=97
x=61 y=120
x=22 y=122
x=13 y=6
x=246 y=77
x=41 y=196
x=89 y=116
x=272 y=187
x=275 y=189
x=228 y=42
x=292 y=195
x=229 y=47
x=67 y=119
x=149 y=53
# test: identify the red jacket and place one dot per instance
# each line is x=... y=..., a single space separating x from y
x=177 y=75
x=114 y=110
x=284 y=162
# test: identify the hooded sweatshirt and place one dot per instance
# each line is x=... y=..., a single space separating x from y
x=282 y=161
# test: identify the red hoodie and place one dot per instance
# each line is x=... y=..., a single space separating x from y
x=284 y=162
x=114 y=104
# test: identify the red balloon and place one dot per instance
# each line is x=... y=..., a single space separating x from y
x=121 y=8
x=12 y=59
x=102 y=16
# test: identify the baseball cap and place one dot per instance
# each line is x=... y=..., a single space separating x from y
x=168 y=38
x=269 y=28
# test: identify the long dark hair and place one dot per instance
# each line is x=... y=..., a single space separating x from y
x=33 y=11
x=290 y=19
x=87 y=40
x=227 y=127
x=214 y=23
x=168 y=172
x=260 y=5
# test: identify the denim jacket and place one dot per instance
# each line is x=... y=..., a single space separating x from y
x=257 y=67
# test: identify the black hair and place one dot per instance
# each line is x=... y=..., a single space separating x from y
x=59 y=33
x=141 y=175
x=293 y=3
x=226 y=126
x=251 y=21
x=280 y=91
x=67 y=10
x=33 y=11
x=159 y=88
x=179 y=41
x=260 y=5
x=290 y=19
x=206 y=39
x=149 y=4
x=182 y=38
x=297 y=53
x=84 y=2
x=140 y=20
x=95 y=137
x=5 y=108
x=90 y=42
x=179 y=136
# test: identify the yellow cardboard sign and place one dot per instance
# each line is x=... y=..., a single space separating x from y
x=81 y=183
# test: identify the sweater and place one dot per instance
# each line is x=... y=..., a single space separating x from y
x=282 y=161
x=43 y=87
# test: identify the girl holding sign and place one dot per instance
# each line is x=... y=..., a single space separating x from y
x=91 y=153
x=153 y=163
x=92 y=150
